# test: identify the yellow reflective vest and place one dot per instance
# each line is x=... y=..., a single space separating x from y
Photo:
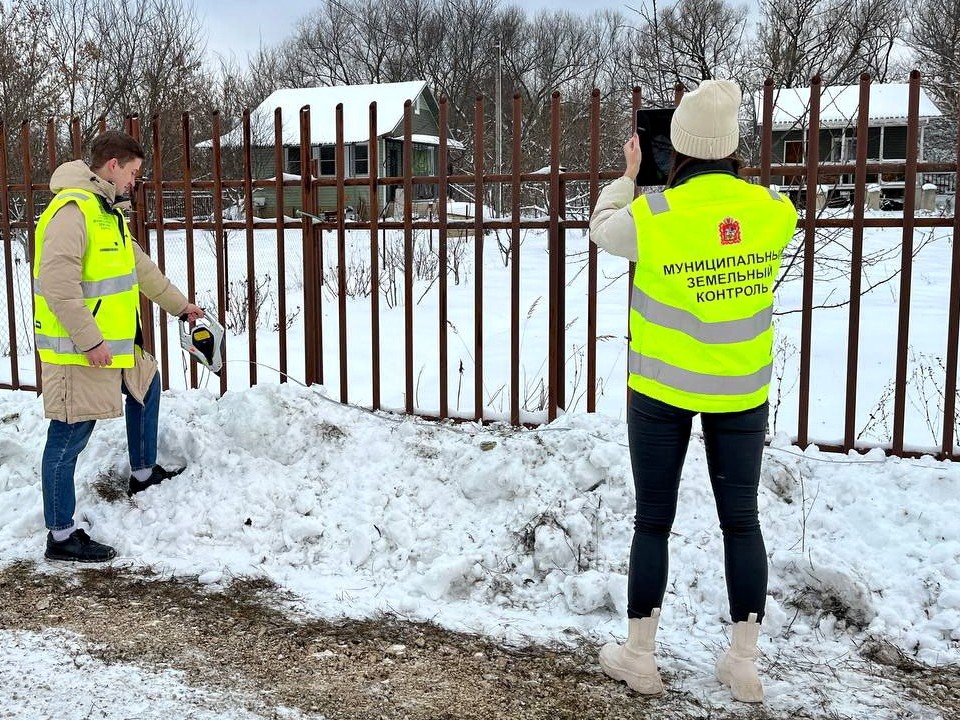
x=108 y=282
x=708 y=254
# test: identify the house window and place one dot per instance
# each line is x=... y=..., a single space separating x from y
x=328 y=160
x=361 y=159
x=293 y=159
x=793 y=151
x=423 y=160
x=850 y=149
x=836 y=148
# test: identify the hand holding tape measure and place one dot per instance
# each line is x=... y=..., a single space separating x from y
x=203 y=340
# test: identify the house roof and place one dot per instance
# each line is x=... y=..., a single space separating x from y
x=840 y=104
x=323 y=101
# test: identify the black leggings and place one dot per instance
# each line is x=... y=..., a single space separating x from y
x=659 y=435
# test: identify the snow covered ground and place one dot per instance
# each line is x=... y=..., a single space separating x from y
x=52 y=674
x=517 y=535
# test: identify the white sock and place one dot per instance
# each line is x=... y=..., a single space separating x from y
x=143 y=473
x=61 y=535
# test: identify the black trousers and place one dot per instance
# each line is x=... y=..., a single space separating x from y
x=659 y=435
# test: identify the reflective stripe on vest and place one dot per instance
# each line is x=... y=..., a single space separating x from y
x=70 y=195
x=698 y=383
x=100 y=288
x=657 y=203
x=712 y=333
x=65 y=346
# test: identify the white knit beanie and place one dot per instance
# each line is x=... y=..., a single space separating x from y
x=705 y=124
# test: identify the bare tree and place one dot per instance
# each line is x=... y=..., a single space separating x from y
x=345 y=42
x=935 y=38
x=117 y=58
x=27 y=90
x=689 y=41
x=836 y=39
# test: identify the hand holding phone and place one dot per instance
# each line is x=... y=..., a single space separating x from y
x=632 y=157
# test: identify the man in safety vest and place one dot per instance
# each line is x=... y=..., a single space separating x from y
x=707 y=252
x=88 y=274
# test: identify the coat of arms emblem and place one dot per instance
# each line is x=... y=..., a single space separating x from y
x=729 y=232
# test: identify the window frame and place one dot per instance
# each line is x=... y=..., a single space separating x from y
x=327 y=157
x=355 y=164
x=288 y=160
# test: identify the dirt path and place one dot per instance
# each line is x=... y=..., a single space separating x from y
x=240 y=642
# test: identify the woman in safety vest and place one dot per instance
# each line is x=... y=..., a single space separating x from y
x=707 y=252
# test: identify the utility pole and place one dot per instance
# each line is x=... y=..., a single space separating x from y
x=499 y=127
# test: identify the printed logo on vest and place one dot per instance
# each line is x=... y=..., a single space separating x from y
x=730 y=232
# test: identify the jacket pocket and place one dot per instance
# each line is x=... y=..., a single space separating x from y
x=138 y=378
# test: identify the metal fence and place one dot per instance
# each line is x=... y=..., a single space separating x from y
x=156 y=198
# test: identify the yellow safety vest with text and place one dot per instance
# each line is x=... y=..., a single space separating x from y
x=108 y=282
x=708 y=254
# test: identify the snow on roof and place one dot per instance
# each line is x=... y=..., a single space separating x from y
x=839 y=105
x=323 y=101
x=435 y=140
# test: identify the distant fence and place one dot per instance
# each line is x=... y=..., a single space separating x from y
x=164 y=204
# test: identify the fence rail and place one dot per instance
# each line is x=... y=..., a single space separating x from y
x=166 y=204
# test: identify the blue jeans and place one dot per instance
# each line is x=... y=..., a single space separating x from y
x=658 y=435
x=65 y=442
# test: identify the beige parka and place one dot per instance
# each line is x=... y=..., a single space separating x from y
x=74 y=393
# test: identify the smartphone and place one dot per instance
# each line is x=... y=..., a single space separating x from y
x=656 y=151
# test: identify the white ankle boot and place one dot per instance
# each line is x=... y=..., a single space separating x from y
x=633 y=663
x=737 y=667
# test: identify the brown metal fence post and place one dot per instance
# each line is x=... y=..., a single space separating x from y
x=51 y=146
x=138 y=221
x=953 y=323
x=29 y=217
x=517 y=167
x=340 y=160
x=442 y=192
x=220 y=242
x=373 y=163
x=312 y=321
x=856 y=265
x=157 y=182
x=592 y=253
x=408 y=252
x=766 y=136
x=279 y=192
x=187 y=171
x=75 y=139
x=252 y=299
x=554 y=349
x=561 y=262
x=906 y=261
x=8 y=262
x=478 y=166
x=810 y=234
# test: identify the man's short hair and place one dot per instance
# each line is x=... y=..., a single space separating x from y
x=114 y=144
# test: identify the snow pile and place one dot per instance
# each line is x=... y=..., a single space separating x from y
x=517 y=535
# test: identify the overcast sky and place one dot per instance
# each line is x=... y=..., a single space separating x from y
x=238 y=27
